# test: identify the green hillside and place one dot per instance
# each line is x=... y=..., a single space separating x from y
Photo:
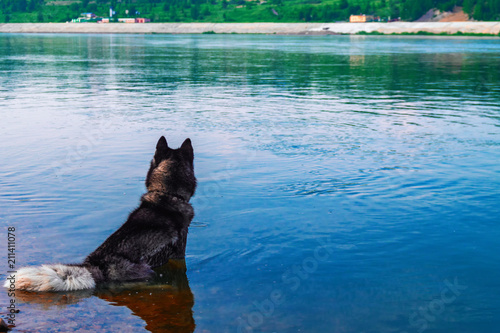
x=239 y=10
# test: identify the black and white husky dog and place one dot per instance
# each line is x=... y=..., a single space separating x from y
x=153 y=233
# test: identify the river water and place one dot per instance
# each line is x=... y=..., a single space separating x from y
x=346 y=183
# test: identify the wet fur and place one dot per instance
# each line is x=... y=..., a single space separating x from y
x=154 y=232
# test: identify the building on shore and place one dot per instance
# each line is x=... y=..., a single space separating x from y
x=91 y=17
x=126 y=20
x=134 y=20
x=86 y=17
x=362 y=18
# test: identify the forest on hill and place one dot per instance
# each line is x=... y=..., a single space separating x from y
x=240 y=10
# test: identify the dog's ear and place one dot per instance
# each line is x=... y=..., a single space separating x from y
x=162 y=144
x=162 y=150
x=187 y=148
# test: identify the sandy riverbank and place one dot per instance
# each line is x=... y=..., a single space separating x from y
x=255 y=28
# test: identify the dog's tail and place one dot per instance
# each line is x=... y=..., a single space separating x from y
x=52 y=278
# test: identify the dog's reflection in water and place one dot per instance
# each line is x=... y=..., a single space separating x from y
x=165 y=302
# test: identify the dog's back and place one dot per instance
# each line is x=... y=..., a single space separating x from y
x=154 y=232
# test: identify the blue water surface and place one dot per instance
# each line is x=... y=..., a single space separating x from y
x=346 y=183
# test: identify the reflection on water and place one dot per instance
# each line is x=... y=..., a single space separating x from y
x=385 y=149
x=165 y=303
x=165 y=306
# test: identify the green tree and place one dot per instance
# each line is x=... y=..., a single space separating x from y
x=394 y=9
x=19 y=5
x=74 y=7
x=494 y=9
x=173 y=15
x=478 y=12
x=327 y=13
x=366 y=8
x=206 y=11
x=354 y=9
x=133 y=10
x=305 y=14
x=412 y=10
x=469 y=6
x=92 y=7
x=32 y=5
x=195 y=12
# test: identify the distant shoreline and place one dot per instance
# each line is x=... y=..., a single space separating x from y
x=374 y=28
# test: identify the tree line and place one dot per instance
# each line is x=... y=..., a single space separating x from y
x=241 y=10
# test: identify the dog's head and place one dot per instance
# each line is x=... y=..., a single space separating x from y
x=172 y=170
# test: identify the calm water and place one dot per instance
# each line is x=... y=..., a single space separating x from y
x=346 y=184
